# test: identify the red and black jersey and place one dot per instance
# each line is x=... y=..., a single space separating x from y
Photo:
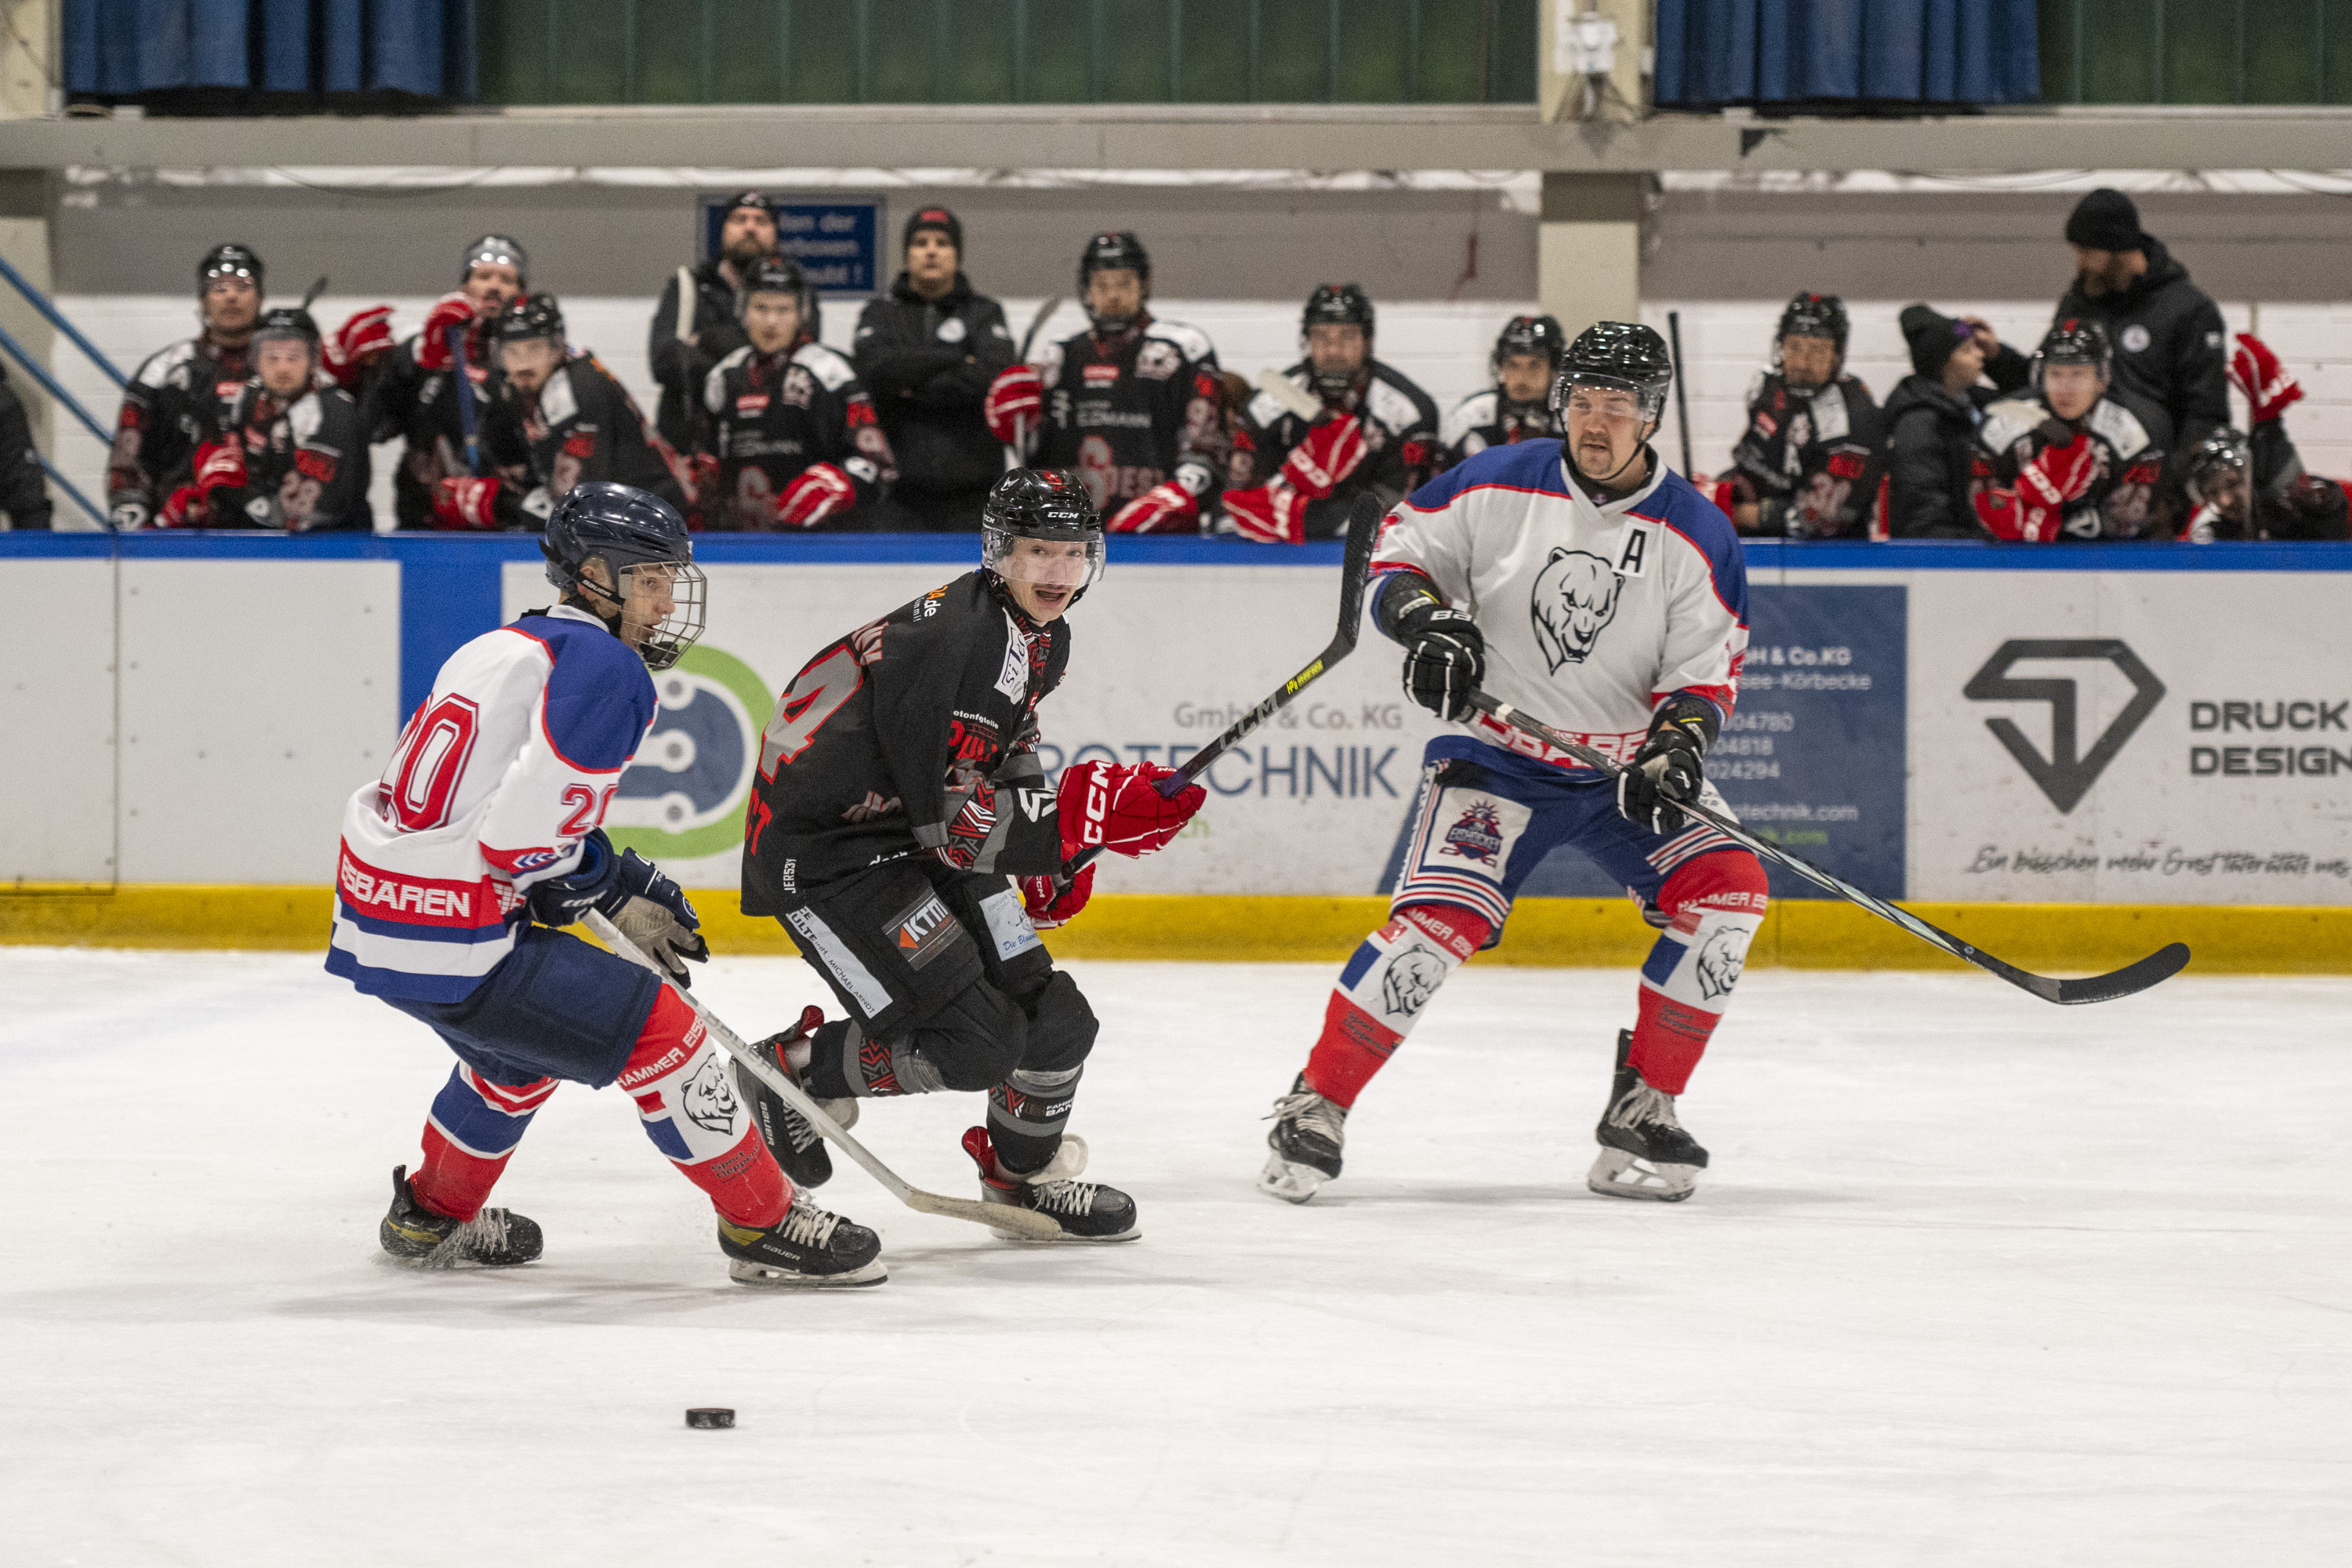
x=1132 y=411
x=306 y=463
x=2130 y=437
x=582 y=425
x=1809 y=459
x=1401 y=449
x=771 y=417
x=913 y=735
x=178 y=401
x=402 y=399
x=1488 y=418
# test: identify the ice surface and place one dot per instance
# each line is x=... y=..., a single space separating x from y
x=1973 y=1281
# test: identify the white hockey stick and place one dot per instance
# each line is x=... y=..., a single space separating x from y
x=1021 y=1222
x=1290 y=395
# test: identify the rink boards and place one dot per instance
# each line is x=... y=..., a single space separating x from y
x=1944 y=722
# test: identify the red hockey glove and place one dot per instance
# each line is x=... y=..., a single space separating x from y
x=433 y=346
x=2007 y=515
x=2059 y=475
x=350 y=348
x=219 y=463
x=1724 y=493
x=2255 y=370
x=461 y=502
x=186 y=507
x=702 y=479
x=1324 y=456
x=1051 y=901
x=1162 y=508
x=1272 y=513
x=1014 y=400
x=1113 y=805
x=819 y=492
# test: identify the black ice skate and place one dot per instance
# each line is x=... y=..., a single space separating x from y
x=1645 y=1153
x=494 y=1238
x=791 y=1136
x=1086 y=1210
x=809 y=1249
x=1307 y=1132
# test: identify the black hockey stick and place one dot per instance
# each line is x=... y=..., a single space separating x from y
x=1681 y=403
x=1355 y=572
x=468 y=418
x=1036 y=322
x=2159 y=965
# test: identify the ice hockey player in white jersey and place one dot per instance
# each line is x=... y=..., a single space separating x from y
x=481 y=840
x=1583 y=582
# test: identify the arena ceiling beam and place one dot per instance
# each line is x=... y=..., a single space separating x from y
x=1196 y=139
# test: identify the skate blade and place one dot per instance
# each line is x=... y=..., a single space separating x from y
x=1293 y=1183
x=1617 y=1175
x=761 y=1277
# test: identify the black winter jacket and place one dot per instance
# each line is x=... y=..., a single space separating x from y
x=682 y=367
x=1932 y=460
x=2170 y=344
x=24 y=489
x=927 y=364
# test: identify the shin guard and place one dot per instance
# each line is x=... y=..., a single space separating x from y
x=469 y=1133
x=1382 y=990
x=1713 y=905
x=689 y=1109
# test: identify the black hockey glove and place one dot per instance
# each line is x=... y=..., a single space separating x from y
x=628 y=890
x=1445 y=656
x=1666 y=771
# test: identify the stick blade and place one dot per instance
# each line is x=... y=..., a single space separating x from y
x=1026 y=1224
x=1356 y=565
x=2131 y=979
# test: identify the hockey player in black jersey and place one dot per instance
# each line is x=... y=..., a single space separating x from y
x=179 y=397
x=2254 y=485
x=899 y=798
x=790 y=437
x=1517 y=407
x=1132 y=404
x=1294 y=478
x=558 y=418
x=2082 y=459
x=1807 y=465
x=292 y=452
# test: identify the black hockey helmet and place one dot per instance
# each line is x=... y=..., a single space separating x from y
x=1113 y=249
x=1529 y=335
x=2074 y=340
x=775 y=275
x=230 y=261
x=1621 y=356
x=493 y=250
x=628 y=530
x=288 y=322
x=1048 y=504
x=1812 y=316
x=530 y=316
x=2223 y=451
x=1344 y=304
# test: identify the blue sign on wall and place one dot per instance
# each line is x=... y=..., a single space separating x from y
x=838 y=243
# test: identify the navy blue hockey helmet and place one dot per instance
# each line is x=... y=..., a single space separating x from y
x=650 y=593
x=1048 y=505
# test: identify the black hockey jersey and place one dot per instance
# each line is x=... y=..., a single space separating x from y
x=2286 y=503
x=582 y=425
x=1487 y=418
x=2129 y=436
x=1401 y=449
x=420 y=406
x=306 y=463
x=770 y=417
x=178 y=400
x=1810 y=461
x=1132 y=411
x=912 y=735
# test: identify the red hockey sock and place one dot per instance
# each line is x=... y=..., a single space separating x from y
x=1668 y=1040
x=1387 y=982
x=1714 y=903
x=451 y=1183
x=1350 y=1049
x=469 y=1135
x=689 y=1109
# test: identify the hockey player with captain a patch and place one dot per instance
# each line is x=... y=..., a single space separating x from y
x=1581 y=581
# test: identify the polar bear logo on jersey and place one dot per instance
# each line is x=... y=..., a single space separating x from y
x=1721 y=958
x=708 y=1099
x=1575 y=597
x=1412 y=979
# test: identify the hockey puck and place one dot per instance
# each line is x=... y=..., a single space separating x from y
x=710 y=1418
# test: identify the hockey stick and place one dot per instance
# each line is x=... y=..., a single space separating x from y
x=1023 y=1223
x=1355 y=572
x=1681 y=403
x=2157 y=966
x=1290 y=395
x=468 y=420
x=1036 y=324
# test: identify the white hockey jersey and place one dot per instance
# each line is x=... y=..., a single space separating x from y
x=1592 y=614
x=503 y=772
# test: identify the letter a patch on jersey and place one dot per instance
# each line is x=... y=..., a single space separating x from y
x=1634 y=548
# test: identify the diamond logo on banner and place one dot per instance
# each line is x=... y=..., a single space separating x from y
x=2062 y=775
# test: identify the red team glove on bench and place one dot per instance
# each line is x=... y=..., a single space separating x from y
x=217 y=463
x=1271 y=514
x=350 y=348
x=1163 y=508
x=1115 y=805
x=1325 y=456
x=433 y=344
x=461 y=502
x=1014 y=400
x=818 y=492
x=2269 y=389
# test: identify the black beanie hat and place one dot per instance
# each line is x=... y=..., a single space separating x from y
x=2106 y=220
x=1932 y=337
x=939 y=218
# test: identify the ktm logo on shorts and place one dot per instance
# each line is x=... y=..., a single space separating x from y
x=923 y=930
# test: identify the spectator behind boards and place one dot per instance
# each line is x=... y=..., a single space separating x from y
x=24 y=489
x=2254 y=485
x=700 y=320
x=927 y=352
x=2164 y=331
x=1933 y=465
x=1807 y=465
x=2083 y=459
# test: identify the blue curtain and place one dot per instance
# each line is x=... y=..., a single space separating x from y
x=1795 y=52
x=118 y=47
